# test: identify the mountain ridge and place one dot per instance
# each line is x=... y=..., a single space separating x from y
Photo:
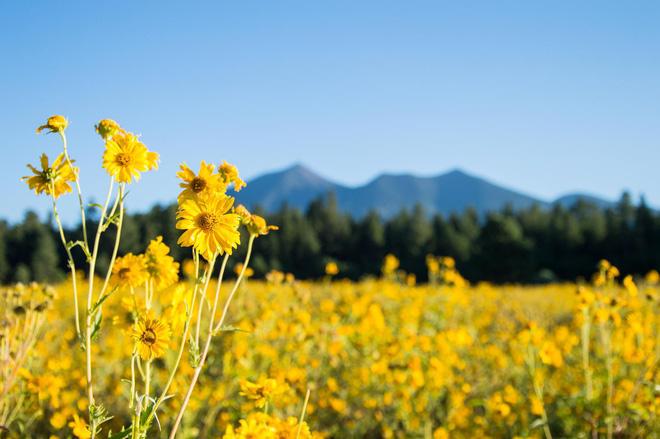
x=452 y=191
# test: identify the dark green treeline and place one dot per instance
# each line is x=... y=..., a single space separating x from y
x=532 y=245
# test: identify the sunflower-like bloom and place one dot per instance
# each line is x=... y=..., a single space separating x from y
x=54 y=124
x=129 y=271
x=249 y=272
x=261 y=391
x=125 y=157
x=151 y=337
x=255 y=224
x=160 y=266
x=79 y=427
x=206 y=181
x=106 y=128
x=229 y=175
x=250 y=428
x=208 y=227
x=331 y=269
x=51 y=179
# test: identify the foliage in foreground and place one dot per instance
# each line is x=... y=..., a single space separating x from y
x=385 y=359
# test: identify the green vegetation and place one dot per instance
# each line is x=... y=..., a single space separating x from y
x=530 y=245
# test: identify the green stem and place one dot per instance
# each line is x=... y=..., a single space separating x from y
x=120 y=221
x=77 y=181
x=207 y=345
x=302 y=413
x=88 y=320
x=586 y=335
x=72 y=265
x=236 y=284
x=182 y=344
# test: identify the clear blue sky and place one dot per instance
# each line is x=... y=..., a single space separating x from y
x=545 y=97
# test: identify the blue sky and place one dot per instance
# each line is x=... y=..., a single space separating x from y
x=544 y=97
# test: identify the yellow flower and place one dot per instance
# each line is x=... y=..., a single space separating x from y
x=151 y=337
x=229 y=175
x=129 y=271
x=54 y=124
x=160 y=266
x=58 y=420
x=550 y=354
x=255 y=224
x=537 y=406
x=79 y=428
x=189 y=268
x=390 y=264
x=107 y=128
x=51 y=179
x=261 y=391
x=125 y=157
x=331 y=269
x=432 y=264
x=208 y=227
x=652 y=277
x=249 y=429
x=205 y=181
x=249 y=272
x=630 y=286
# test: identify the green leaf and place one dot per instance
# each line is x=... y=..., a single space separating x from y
x=230 y=328
x=538 y=423
x=121 y=434
x=98 y=304
x=96 y=328
x=71 y=244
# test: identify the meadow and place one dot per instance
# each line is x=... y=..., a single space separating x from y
x=154 y=348
x=381 y=358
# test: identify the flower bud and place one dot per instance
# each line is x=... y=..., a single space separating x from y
x=54 y=124
x=107 y=128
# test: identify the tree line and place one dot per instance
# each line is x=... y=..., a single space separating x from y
x=531 y=245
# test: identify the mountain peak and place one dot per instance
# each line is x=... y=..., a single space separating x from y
x=388 y=193
x=298 y=167
x=456 y=172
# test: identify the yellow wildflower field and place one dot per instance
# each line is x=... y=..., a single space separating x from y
x=381 y=359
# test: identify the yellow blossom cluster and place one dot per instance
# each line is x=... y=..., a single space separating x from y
x=387 y=359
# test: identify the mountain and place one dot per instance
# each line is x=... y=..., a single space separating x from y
x=570 y=199
x=453 y=191
x=297 y=186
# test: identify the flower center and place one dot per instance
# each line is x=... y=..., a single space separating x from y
x=148 y=337
x=122 y=159
x=197 y=184
x=206 y=221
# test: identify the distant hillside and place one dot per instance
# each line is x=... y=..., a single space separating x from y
x=453 y=191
